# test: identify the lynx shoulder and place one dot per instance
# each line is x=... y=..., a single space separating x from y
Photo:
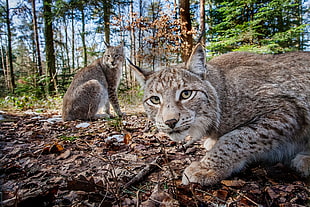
x=251 y=107
x=94 y=87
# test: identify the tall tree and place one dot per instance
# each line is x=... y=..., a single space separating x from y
x=186 y=27
x=72 y=39
x=80 y=6
x=106 y=17
x=12 y=84
x=202 y=21
x=36 y=37
x=270 y=26
x=83 y=34
x=49 y=46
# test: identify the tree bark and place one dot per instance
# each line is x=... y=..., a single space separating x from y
x=106 y=17
x=49 y=46
x=202 y=22
x=83 y=36
x=4 y=67
x=67 y=60
x=9 y=53
x=36 y=38
x=73 y=41
x=186 y=26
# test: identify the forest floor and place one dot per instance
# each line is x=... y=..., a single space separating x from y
x=47 y=162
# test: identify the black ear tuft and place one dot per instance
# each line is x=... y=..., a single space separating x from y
x=140 y=73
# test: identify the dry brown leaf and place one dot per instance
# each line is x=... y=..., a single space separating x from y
x=272 y=194
x=221 y=194
x=127 y=138
x=233 y=183
x=64 y=155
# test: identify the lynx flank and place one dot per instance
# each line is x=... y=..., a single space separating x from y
x=93 y=87
x=251 y=107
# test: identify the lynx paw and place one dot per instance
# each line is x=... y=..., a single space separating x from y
x=121 y=114
x=209 y=143
x=102 y=116
x=302 y=164
x=197 y=172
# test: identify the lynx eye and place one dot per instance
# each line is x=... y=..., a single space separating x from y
x=155 y=100
x=186 y=94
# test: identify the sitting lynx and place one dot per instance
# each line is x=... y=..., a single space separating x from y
x=93 y=87
x=253 y=107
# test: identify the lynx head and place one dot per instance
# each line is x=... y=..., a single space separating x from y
x=179 y=99
x=113 y=56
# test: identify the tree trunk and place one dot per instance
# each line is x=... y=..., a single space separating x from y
x=73 y=41
x=9 y=53
x=83 y=37
x=36 y=38
x=67 y=61
x=186 y=27
x=202 y=22
x=140 y=50
x=4 y=67
x=133 y=44
x=106 y=18
x=49 y=46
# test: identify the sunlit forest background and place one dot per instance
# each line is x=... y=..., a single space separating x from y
x=45 y=42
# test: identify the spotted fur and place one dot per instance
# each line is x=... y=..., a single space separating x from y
x=251 y=107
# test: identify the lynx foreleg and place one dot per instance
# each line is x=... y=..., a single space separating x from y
x=114 y=101
x=270 y=137
x=104 y=105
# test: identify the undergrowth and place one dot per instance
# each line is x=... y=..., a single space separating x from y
x=30 y=102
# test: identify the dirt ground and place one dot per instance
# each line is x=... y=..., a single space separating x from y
x=121 y=162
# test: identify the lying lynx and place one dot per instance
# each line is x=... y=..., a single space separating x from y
x=93 y=87
x=252 y=107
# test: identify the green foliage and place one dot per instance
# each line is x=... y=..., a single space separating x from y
x=130 y=96
x=116 y=123
x=261 y=26
x=30 y=102
x=68 y=138
x=30 y=86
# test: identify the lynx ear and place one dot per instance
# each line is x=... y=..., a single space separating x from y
x=140 y=73
x=197 y=61
x=120 y=48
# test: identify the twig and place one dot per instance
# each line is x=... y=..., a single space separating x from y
x=137 y=195
x=145 y=171
x=213 y=196
x=163 y=150
x=249 y=199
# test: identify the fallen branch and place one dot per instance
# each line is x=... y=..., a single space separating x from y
x=145 y=171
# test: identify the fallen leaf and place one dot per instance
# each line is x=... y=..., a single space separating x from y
x=272 y=194
x=127 y=138
x=233 y=183
x=159 y=196
x=221 y=194
x=64 y=155
x=56 y=148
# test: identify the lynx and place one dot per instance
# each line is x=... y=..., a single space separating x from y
x=93 y=87
x=250 y=107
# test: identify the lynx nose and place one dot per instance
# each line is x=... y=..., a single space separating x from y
x=171 y=123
